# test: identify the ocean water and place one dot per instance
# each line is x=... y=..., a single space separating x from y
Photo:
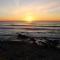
x=10 y=30
x=29 y=27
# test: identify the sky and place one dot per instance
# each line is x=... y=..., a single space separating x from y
x=38 y=9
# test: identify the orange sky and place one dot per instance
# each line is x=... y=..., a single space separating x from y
x=35 y=19
x=18 y=10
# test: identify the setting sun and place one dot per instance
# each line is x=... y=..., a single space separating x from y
x=29 y=18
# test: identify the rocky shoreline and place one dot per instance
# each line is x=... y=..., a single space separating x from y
x=34 y=37
x=30 y=46
x=18 y=50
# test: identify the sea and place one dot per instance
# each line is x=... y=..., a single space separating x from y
x=11 y=28
x=39 y=26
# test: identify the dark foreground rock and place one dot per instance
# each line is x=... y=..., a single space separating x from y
x=15 y=50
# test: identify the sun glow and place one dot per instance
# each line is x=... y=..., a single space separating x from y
x=29 y=18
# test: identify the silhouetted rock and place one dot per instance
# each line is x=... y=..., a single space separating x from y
x=20 y=36
x=52 y=43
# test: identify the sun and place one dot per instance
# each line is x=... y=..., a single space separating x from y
x=29 y=18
